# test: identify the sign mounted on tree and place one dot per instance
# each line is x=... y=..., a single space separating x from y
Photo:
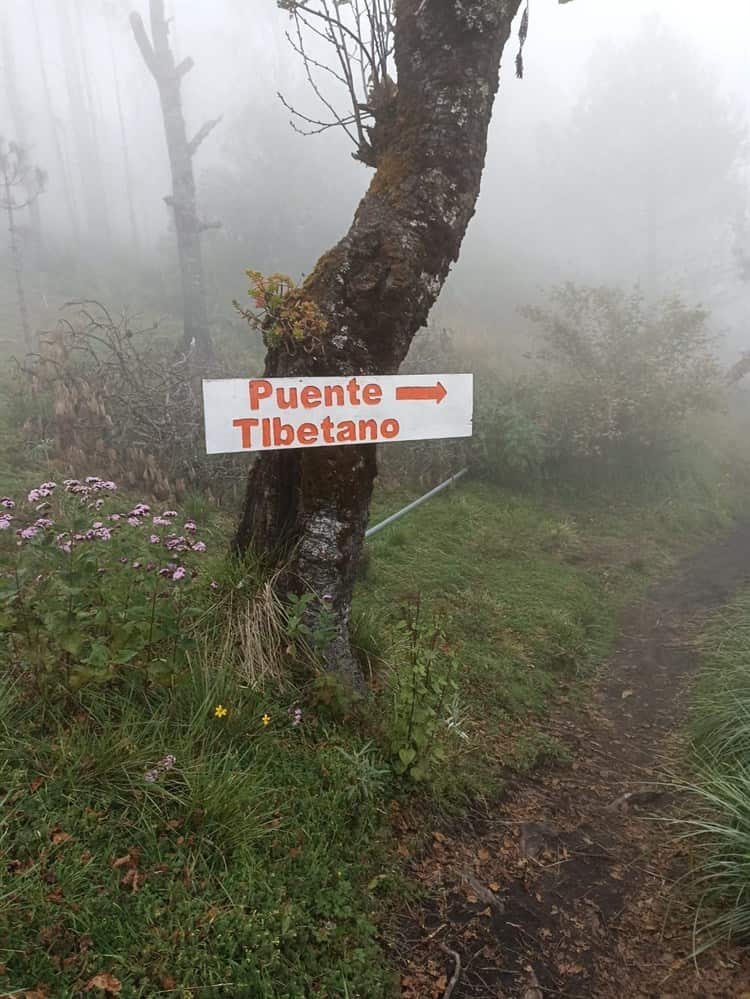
x=270 y=414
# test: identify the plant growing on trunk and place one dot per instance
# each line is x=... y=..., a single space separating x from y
x=421 y=77
x=21 y=184
x=159 y=58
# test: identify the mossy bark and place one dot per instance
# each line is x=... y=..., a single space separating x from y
x=377 y=286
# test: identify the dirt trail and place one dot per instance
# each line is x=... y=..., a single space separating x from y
x=564 y=890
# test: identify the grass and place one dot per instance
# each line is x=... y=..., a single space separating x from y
x=719 y=789
x=263 y=863
x=221 y=875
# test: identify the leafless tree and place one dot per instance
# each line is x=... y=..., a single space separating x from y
x=423 y=125
x=19 y=115
x=168 y=75
x=21 y=184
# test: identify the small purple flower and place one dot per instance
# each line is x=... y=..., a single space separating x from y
x=114 y=517
x=136 y=565
x=28 y=533
x=179 y=573
x=134 y=522
x=191 y=526
x=176 y=544
x=165 y=572
x=7 y=503
x=97 y=524
x=297 y=717
x=5 y=520
x=34 y=496
x=168 y=762
x=103 y=533
x=99 y=504
x=151 y=776
x=160 y=522
x=213 y=585
x=66 y=547
x=92 y=480
x=155 y=539
x=169 y=513
x=43 y=522
x=199 y=546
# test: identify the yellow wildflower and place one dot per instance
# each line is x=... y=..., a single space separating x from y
x=220 y=711
x=266 y=719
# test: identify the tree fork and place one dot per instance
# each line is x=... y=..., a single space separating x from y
x=377 y=286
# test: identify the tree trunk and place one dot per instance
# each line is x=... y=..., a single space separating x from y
x=16 y=254
x=377 y=286
x=123 y=139
x=22 y=137
x=83 y=125
x=168 y=76
x=63 y=171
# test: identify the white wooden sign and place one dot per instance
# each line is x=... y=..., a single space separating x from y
x=269 y=414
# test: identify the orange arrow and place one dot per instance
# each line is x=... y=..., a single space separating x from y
x=421 y=393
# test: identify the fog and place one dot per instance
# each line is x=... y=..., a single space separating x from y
x=621 y=157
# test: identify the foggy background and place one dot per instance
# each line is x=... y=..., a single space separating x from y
x=621 y=157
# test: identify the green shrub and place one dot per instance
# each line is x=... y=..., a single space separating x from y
x=92 y=590
x=422 y=685
x=620 y=378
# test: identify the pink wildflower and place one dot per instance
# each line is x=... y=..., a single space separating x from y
x=199 y=546
x=155 y=539
x=179 y=573
x=7 y=503
x=213 y=585
x=169 y=513
x=134 y=522
x=160 y=522
x=5 y=520
x=191 y=526
x=43 y=522
x=28 y=533
x=114 y=517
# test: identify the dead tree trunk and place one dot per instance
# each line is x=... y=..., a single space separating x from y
x=377 y=286
x=83 y=125
x=16 y=173
x=19 y=125
x=62 y=166
x=160 y=60
x=123 y=138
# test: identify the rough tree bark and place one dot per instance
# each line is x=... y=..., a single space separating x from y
x=377 y=286
x=159 y=58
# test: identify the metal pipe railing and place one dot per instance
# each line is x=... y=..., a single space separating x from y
x=417 y=502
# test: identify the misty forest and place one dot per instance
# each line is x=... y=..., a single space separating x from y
x=374 y=499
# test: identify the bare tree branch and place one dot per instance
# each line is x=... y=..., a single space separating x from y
x=361 y=34
x=203 y=132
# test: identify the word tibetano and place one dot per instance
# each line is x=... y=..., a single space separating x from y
x=263 y=414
